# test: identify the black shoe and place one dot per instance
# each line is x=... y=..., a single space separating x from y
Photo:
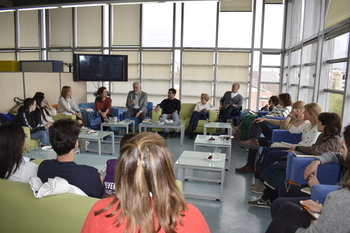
x=166 y=135
x=188 y=131
x=174 y=135
x=192 y=136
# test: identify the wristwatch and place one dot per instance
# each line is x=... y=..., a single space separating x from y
x=141 y=111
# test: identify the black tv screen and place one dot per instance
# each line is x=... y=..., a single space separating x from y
x=94 y=67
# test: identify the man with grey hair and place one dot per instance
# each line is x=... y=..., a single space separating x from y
x=136 y=102
x=230 y=103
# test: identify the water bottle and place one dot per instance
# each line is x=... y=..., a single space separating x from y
x=121 y=116
x=127 y=117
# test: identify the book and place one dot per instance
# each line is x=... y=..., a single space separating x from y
x=306 y=190
x=313 y=214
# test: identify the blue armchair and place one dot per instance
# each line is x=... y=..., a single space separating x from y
x=319 y=192
x=83 y=106
x=329 y=173
x=283 y=135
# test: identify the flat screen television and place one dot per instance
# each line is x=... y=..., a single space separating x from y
x=97 y=67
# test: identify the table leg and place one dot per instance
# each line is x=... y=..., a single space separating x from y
x=112 y=143
x=182 y=136
x=133 y=127
x=99 y=147
x=205 y=131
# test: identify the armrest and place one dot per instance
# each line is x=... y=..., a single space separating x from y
x=63 y=116
x=329 y=173
x=319 y=192
x=262 y=113
x=212 y=115
x=115 y=111
x=156 y=115
x=275 y=118
x=283 y=135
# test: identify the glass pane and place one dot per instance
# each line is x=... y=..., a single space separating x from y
x=61 y=27
x=126 y=24
x=199 y=24
x=232 y=22
x=133 y=64
x=296 y=22
x=157 y=65
x=89 y=26
x=309 y=53
x=192 y=90
x=312 y=17
x=233 y=66
x=337 y=76
x=7 y=29
x=266 y=91
x=29 y=28
x=294 y=76
x=273 y=26
x=339 y=46
x=157 y=25
x=295 y=58
x=335 y=103
x=270 y=74
x=271 y=60
x=198 y=66
x=306 y=94
x=308 y=76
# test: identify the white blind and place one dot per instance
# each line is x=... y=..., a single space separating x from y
x=126 y=25
x=7 y=29
x=235 y=5
x=29 y=28
x=61 y=27
x=338 y=10
x=89 y=26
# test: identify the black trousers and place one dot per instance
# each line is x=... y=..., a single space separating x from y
x=288 y=219
x=256 y=129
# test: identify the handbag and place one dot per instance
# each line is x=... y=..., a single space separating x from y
x=94 y=118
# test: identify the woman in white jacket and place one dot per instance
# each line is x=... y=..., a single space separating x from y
x=200 y=113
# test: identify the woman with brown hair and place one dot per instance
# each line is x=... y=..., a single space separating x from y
x=146 y=196
x=66 y=104
x=333 y=214
x=103 y=103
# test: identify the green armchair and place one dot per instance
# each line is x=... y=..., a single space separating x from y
x=185 y=116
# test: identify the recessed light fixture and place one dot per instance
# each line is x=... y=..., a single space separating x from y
x=38 y=8
x=85 y=5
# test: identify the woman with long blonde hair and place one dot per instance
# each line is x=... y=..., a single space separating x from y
x=147 y=198
x=66 y=104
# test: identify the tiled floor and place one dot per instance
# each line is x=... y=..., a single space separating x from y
x=232 y=214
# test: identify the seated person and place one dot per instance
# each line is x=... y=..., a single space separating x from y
x=14 y=166
x=284 y=106
x=259 y=127
x=136 y=102
x=293 y=193
x=45 y=108
x=200 y=113
x=66 y=104
x=243 y=128
x=109 y=182
x=103 y=103
x=171 y=109
x=64 y=140
x=146 y=198
x=287 y=216
x=230 y=103
x=329 y=124
x=26 y=117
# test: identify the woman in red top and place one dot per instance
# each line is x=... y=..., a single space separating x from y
x=146 y=197
x=103 y=103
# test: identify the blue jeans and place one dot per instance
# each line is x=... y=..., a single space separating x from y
x=43 y=135
x=196 y=116
x=175 y=118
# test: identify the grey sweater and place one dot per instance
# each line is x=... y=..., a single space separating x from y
x=335 y=214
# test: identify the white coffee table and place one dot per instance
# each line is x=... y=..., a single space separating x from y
x=121 y=124
x=98 y=137
x=202 y=140
x=155 y=124
x=217 y=125
x=196 y=160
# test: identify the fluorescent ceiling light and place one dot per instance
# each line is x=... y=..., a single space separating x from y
x=38 y=8
x=7 y=10
x=85 y=5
